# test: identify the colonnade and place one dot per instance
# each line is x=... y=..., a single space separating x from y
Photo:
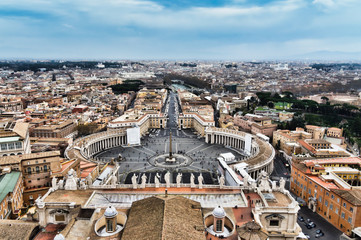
x=258 y=159
x=236 y=142
x=99 y=145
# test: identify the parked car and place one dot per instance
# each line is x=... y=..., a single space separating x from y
x=318 y=235
x=311 y=225
x=301 y=219
x=307 y=236
x=318 y=231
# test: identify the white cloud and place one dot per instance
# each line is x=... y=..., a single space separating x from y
x=326 y=3
x=150 y=14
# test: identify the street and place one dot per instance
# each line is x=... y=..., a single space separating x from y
x=331 y=233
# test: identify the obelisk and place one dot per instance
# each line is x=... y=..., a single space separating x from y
x=170 y=158
x=170 y=145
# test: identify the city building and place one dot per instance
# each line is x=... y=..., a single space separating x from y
x=14 y=138
x=255 y=124
x=331 y=188
x=11 y=194
x=57 y=129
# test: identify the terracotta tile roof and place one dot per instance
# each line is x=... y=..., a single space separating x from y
x=344 y=160
x=9 y=229
x=164 y=218
x=307 y=146
x=319 y=181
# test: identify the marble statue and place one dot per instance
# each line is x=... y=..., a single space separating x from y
x=40 y=203
x=263 y=182
x=179 y=179
x=89 y=180
x=192 y=181
x=54 y=183
x=282 y=184
x=245 y=181
x=274 y=186
x=113 y=181
x=156 y=180
x=144 y=181
x=82 y=185
x=200 y=181
x=167 y=179
x=61 y=184
x=71 y=181
x=134 y=181
x=221 y=181
x=72 y=173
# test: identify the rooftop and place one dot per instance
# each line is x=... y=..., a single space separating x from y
x=169 y=217
x=7 y=183
x=79 y=197
x=9 y=229
x=281 y=200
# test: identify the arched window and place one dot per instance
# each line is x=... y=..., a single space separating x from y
x=37 y=168
x=219 y=225
x=29 y=170
x=110 y=225
x=45 y=168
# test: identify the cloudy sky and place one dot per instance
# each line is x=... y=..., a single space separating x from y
x=178 y=29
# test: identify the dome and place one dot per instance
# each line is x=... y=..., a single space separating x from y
x=110 y=212
x=59 y=236
x=219 y=212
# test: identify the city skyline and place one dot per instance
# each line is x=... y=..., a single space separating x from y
x=214 y=30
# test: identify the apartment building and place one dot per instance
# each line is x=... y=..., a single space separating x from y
x=330 y=187
x=57 y=129
x=11 y=194
x=14 y=138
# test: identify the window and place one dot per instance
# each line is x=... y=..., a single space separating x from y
x=18 y=145
x=351 y=209
x=327 y=194
x=326 y=203
x=320 y=199
x=37 y=169
x=45 y=168
x=343 y=215
x=11 y=146
x=344 y=205
x=338 y=200
x=331 y=206
x=29 y=170
x=60 y=217
x=309 y=191
x=274 y=223
x=219 y=226
x=109 y=225
x=349 y=220
x=332 y=197
x=336 y=210
x=4 y=146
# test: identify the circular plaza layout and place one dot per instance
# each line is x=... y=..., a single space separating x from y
x=191 y=155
